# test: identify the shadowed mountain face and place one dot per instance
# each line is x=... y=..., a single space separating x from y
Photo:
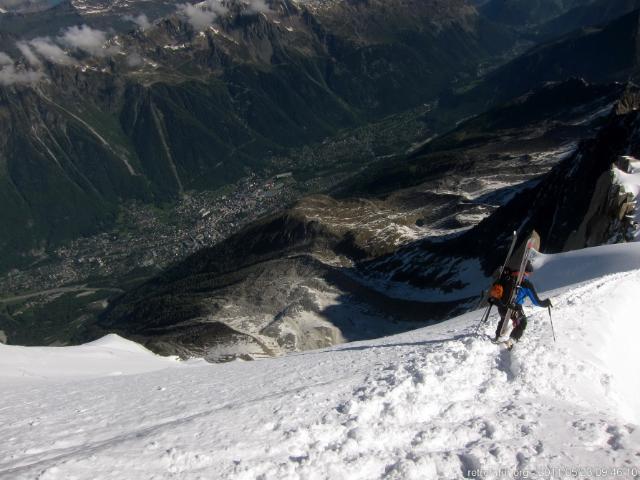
x=598 y=54
x=177 y=109
x=596 y=12
x=330 y=270
x=523 y=13
x=543 y=118
x=556 y=207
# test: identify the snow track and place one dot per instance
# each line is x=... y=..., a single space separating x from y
x=450 y=408
x=434 y=403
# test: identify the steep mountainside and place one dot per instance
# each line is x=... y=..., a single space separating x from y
x=598 y=12
x=301 y=279
x=597 y=54
x=177 y=105
x=559 y=204
x=527 y=13
x=544 y=118
x=556 y=208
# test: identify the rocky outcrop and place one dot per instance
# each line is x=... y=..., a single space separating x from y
x=573 y=206
x=610 y=217
x=558 y=205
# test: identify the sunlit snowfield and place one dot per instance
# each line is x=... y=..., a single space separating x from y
x=434 y=403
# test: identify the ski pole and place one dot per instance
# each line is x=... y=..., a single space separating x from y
x=552 y=330
x=483 y=319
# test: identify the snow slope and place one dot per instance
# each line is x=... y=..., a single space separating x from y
x=438 y=402
x=111 y=355
x=570 y=268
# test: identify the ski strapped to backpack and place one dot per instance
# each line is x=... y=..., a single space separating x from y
x=495 y=285
x=514 y=290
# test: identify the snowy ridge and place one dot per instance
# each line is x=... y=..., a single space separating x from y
x=108 y=356
x=577 y=266
x=438 y=402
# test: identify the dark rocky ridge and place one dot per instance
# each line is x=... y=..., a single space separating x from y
x=598 y=12
x=556 y=208
x=543 y=116
x=528 y=13
x=559 y=204
x=599 y=54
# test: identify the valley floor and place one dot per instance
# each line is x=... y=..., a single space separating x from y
x=438 y=402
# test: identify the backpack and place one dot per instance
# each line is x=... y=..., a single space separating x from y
x=502 y=287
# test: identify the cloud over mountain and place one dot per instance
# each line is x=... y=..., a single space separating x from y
x=26 y=51
x=200 y=16
x=5 y=59
x=87 y=39
x=142 y=21
x=257 y=6
x=10 y=75
x=58 y=50
x=48 y=50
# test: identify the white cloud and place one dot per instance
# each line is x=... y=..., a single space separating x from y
x=134 y=60
x=202 y=15
x=50 y=51
x=217 y=7
x=9 y=75
x=141 y=20
x=199 y=18
x=257 y=6
x=28 y=54
x=5 y=59
x=87 y=39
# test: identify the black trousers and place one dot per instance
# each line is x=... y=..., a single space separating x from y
x=519 y=320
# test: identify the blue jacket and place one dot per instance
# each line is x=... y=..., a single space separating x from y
x=525 y=290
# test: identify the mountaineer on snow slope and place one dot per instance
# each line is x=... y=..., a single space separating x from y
x=501 y=291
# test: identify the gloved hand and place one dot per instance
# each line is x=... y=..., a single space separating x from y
x=547 y=303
